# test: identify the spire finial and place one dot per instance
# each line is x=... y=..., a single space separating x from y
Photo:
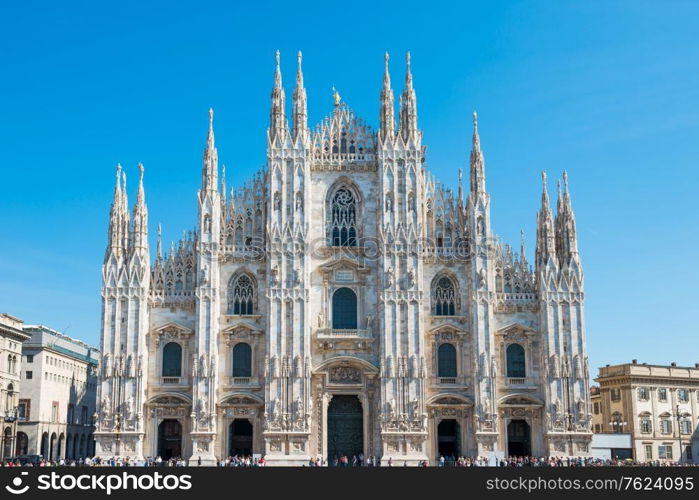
x=159 y=250
x=278 y=72
x=386 y=74
x=140 y=170
x=476 y=135
x=408 y=72
x=565 y=182
x=336 y=96
x=299 y=72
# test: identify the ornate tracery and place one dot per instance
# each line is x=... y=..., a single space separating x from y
x=241 y=295
x=343 y=218
x=443 y=297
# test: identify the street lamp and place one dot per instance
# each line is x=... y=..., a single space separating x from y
x=11 y=415
x=616 y=423
x=679 y=429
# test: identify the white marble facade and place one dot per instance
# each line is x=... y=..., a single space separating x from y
x=342 y=301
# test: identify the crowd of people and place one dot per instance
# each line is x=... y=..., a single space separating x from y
x=347 y=461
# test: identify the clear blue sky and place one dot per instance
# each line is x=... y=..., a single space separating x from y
x=607 y=90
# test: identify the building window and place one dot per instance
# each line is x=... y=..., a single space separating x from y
x=54 y=411
x=343 y=214
x=662 y=395
x=172 y=360
x=30 y=358
x=616 y=394
x=515 y=361
x=444 y=297
x=71 y=414
x=83 y=415
x=686 y=425
x=649 y=451
x=23 y=410
x=643 y=394
x=665 y=426
x=241 y=295
x=646 y=425
x=29 y=375
x=683 y=395
x=595 y=408
x=344 y=309
x=446 y=360
x=688 y=453
x=242 y=360
x=665 y=451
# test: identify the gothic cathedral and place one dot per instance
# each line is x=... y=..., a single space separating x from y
x=341 y=302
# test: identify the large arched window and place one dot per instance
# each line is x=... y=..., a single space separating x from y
x=515 y=361
x=241 y=295
x=172 y=360
x=443 y=297
x=343 y=219
x=446 y=361
x=344 y=309
x=242 y=360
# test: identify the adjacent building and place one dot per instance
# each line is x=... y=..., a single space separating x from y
x=657 y=404
x=342 y=301
x=11 y=338
x=57 y=403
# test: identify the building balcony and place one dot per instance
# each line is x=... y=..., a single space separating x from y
x=343 y=333
x=443 y=382
x=520 y=383
x=243 y=382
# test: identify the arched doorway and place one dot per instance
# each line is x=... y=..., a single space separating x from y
x=448 y=438
x=22 y=444
x=7 y=443
x=52 y=447
x=345 y=427
x=45 y=445
x=169 y=439
x=240 y=438
x=61 y=440
x=518 y=438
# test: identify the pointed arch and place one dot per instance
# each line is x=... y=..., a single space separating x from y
x=444 y=295
x=242 y=296
x=343 y=213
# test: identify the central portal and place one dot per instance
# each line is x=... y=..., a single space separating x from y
x=345 y=427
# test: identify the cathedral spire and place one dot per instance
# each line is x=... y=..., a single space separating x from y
x=115 y=237
x=477 y=164
x=139 y=234
x=522 y=253
x=545 y=236
x=300 y=111
x=387 y=128
x=566 y=232
x=159 y=248
x=461 y=187
x=277 y=118
x=408 y=105
x=209 y=177
x=223 y=187
x=124 y=217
